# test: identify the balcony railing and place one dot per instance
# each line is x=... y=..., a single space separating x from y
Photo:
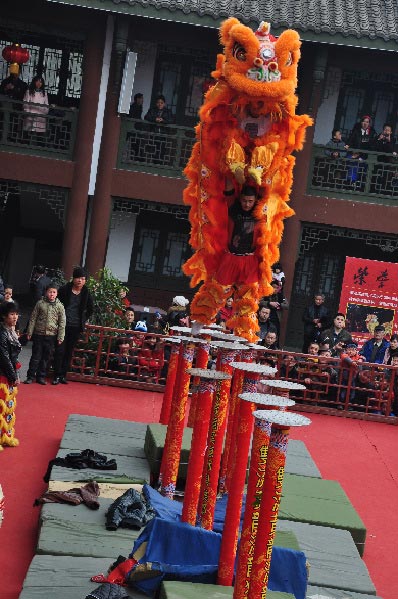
x=373 y=178
x=50 y=135
x=160 y=149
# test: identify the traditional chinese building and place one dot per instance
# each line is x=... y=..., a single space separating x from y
x=101 y=188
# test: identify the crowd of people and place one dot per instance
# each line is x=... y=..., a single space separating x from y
x=330 y=366
x=347 y=167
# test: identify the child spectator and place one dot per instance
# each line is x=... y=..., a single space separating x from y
x=226 y=312
x=128 y=319
x=336 y=145
x=278 y=274
x=46 y=326
x=8 y=293
x=124 y=300
x=123 y=362
x=150 y=358
x=349 y=363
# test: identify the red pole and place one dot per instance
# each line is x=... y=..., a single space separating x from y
x=170 y=382
x=211 y=468
x=232 y=517
x=271 y=496
x=202 y=358
x=175 y=429
x=248 y=385
x=259 y=452
x=207 y=384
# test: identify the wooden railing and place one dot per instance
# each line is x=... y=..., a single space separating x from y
x=373 y=178
x=368 y=391
x=160 y=149
x=52 y=134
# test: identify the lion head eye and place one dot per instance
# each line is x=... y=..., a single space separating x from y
x=289 y=60
x=239 y=52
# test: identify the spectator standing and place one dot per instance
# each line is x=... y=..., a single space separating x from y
x=374 y=349
x=316 y=319
x=177 y=314
x=36 y=106
x=39 y=284
x=337 y=336
x=277 y=303
x=79 y=305
x=46 y=327
x=9 y=380
x=362 y=137
x=159 y=113
x=129 y=319
x=1 y=289
x=264 y=323
x=13 y=87
x=135 y=111
x=391 y=350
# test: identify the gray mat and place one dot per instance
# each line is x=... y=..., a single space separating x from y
x=104 y=435
x=132 y=469
x=58 y=577
x=333 y=557
x=323 y=593
x=78 y=531
x=299 y=460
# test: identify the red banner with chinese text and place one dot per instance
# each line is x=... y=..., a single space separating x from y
x=369 y=297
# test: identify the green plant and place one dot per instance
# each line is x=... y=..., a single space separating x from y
x=106 y=289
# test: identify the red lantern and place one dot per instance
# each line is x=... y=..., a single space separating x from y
x=15 y=55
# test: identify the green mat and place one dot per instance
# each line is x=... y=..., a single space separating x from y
x=78 y=531
x=298 y=461
x=321 y=502
x=333 y=558
x=316 y=592
x=64 y=577
x=189 y=590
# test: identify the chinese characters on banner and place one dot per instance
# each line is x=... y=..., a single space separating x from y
x=369 y=297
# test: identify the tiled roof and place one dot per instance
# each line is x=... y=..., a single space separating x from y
x=374 y=19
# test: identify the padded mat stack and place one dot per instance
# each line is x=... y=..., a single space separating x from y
x=321 y=502
x=54 y=577
x=299 y=460
x=315 y=517
x=118 y=439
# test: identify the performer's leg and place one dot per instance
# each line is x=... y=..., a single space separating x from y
x=207 y=302
x=244 y=322
x=7 y=414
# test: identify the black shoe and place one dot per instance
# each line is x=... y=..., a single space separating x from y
x=41 y=381
x=56 y=381
x=63 y=380
x=28 y=381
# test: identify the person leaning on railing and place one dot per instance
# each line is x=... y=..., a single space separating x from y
x=36 y=107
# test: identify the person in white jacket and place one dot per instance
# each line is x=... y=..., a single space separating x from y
x=36 y=106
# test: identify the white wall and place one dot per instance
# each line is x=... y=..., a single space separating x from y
x=145 y=70
x=327 y=110
x=120 y=243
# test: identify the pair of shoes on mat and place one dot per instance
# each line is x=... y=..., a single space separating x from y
x=60 y=379
x=41 y=381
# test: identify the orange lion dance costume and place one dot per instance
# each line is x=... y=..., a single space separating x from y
x=247 y=131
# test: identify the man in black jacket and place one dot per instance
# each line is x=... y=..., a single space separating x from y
x=79 y=305
x=316 y=319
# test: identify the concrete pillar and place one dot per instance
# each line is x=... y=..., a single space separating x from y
x=77 y=205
